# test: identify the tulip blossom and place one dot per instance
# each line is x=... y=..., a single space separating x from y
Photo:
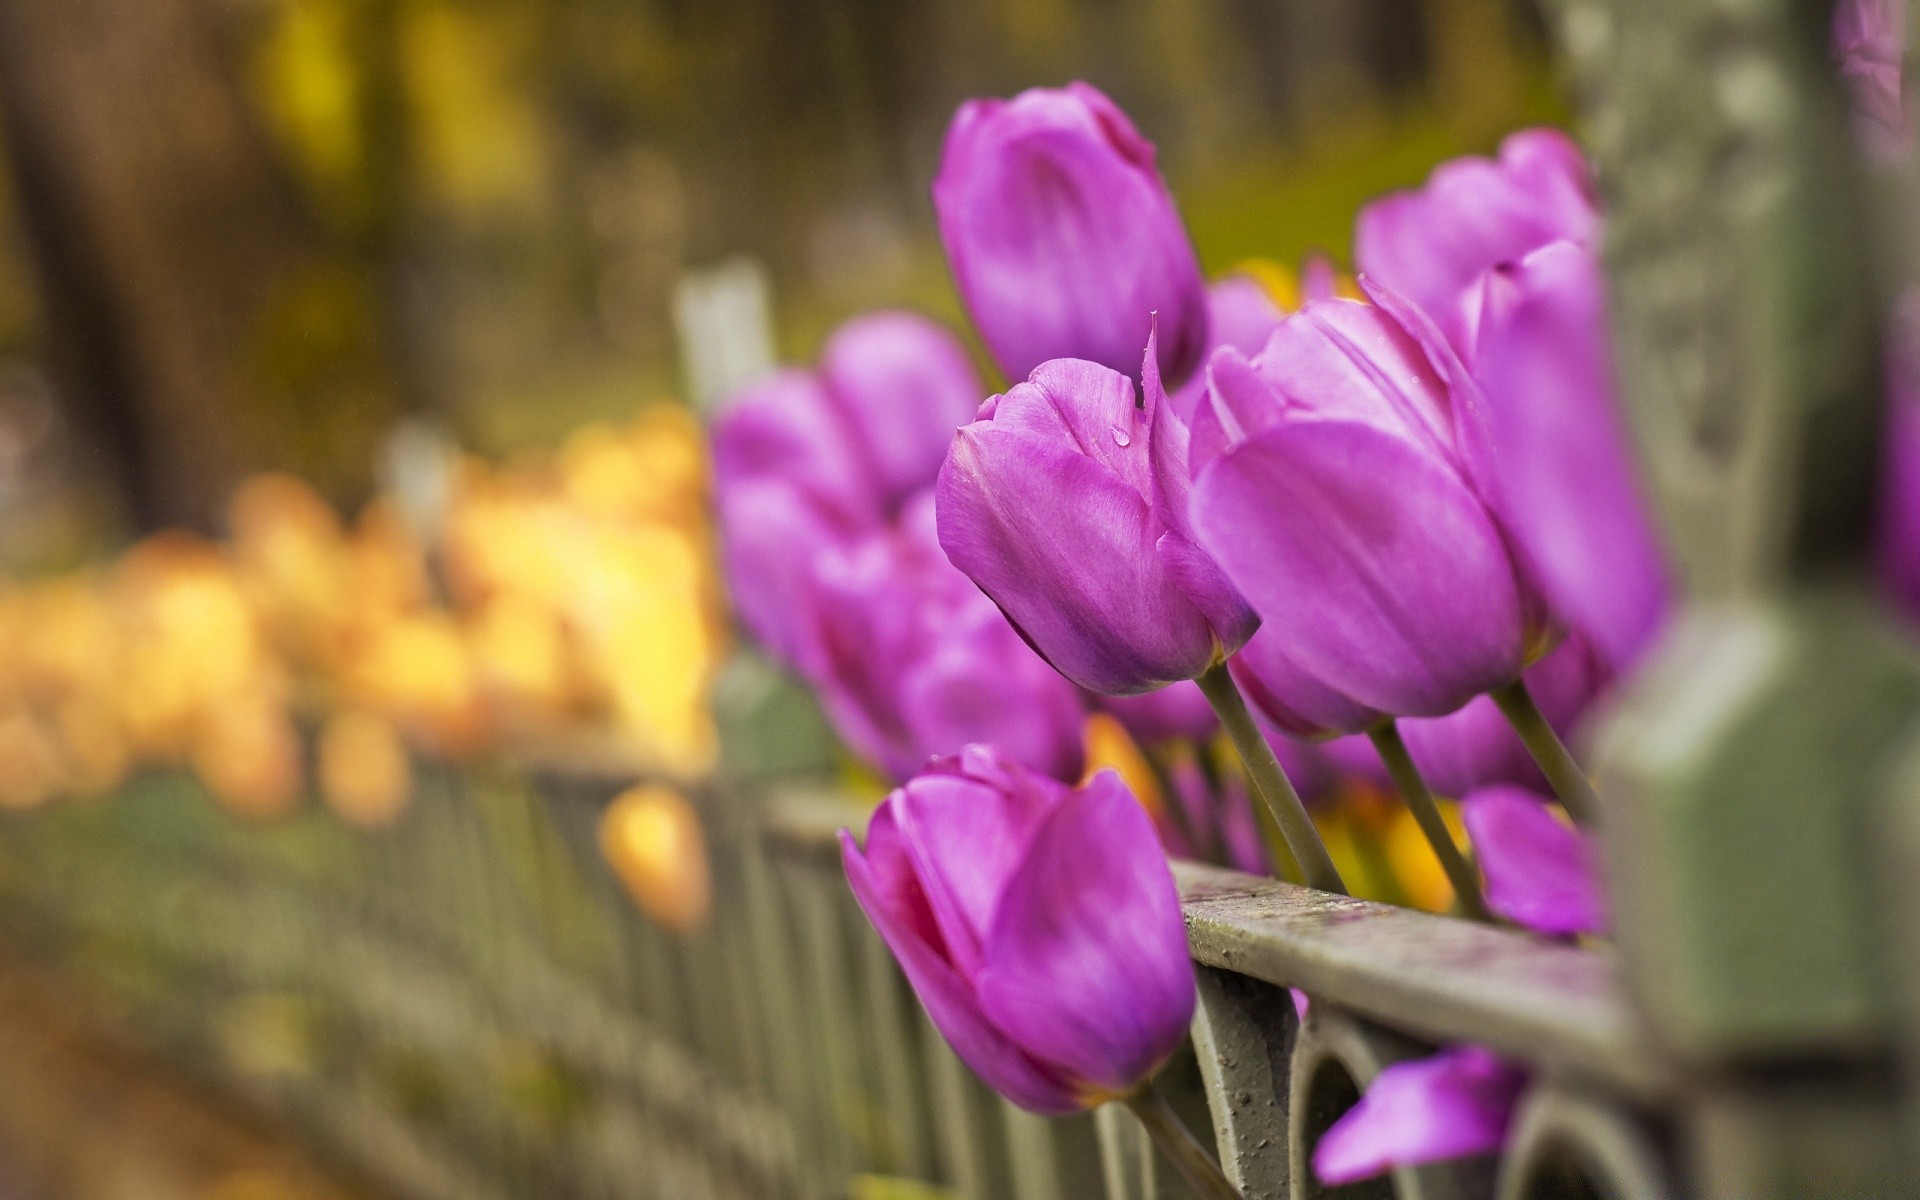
x=1540 y=872
x=911 y=661
x=1870 y=43
x=1500 y=255
x=1431 y=244
x=1062 y=237
x=1338 y=482
x=1897 y=538
x=1458 y=1102
x=1038 y=924
x=808 y=459
x=1062 y=502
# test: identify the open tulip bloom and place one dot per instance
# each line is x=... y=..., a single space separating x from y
x=1041 y=929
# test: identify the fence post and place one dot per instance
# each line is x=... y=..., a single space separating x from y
x=1737 y=769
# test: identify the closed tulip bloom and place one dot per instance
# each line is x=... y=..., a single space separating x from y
x=1541 y=872
x=808 y=459
x=911 y=661
x=1563 y=462
x=1869 y=43
x=772 y=533
x=1062 y=502
x=787 y=428
x=1500 y=255
x=1897 y=533
x=1430 y=244
x=1456 y=1103
x=1038 y=923
x=1337 y=481
x=1062 y=237
x=901 y=384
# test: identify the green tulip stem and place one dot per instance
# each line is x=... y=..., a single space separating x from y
x=1182 y=1149
x=1263 y=769
x=1419 y=798
x=1569 y=782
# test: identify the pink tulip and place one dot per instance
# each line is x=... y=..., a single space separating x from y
x=1038 y=924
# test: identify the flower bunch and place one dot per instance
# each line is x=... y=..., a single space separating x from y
x=1380 y=532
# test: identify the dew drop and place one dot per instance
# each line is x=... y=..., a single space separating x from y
x=1121 y=438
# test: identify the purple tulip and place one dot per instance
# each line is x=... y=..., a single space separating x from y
x=1177 y=711
x=1870 y=43
x=1897 y=538
x=1062 y=236
x=1540 y=872
x=787 y=428
x=772 y=533
x=1458 y=1102
x=902 y=384
x=864 y=432
x=805 y=460
x=1066 y=503
x=1038 y=924
x=910 y=661
x=1564 y=462
x=1500 y=256
x=1431 y=244
x=1338 y=483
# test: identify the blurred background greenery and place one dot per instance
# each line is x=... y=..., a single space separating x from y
x=247 y=234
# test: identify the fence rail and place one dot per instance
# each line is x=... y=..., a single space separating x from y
x=468 y=1006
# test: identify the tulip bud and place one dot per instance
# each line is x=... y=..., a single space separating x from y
x=1062 y=237
x=1455 y=1103
x=1541 y=872
x=1500 y=255
x=1066 y=503
x=804 y=460
x=1430 y=244
x=911 y=661
x=1338 y=482
x=1038 y=924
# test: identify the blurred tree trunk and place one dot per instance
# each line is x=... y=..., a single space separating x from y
x=164 y=233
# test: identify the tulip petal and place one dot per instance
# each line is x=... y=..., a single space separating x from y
x=1087 y=963
x=1540 y=872
x=1048 y=534
x=1387 y=575
x=1179 y=710
x=1570 y=492
x=1430 y=244
x=902 y=384
x=982 y=684
x=1062 y=237
x=1291 y=698
x=1457 y=1103
x=785 y=427
x=1087 y=406
x=950 y=1004
x=964 y=837
x=770 y=533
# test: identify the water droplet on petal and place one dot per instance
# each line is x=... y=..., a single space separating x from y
x=1122 y=438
